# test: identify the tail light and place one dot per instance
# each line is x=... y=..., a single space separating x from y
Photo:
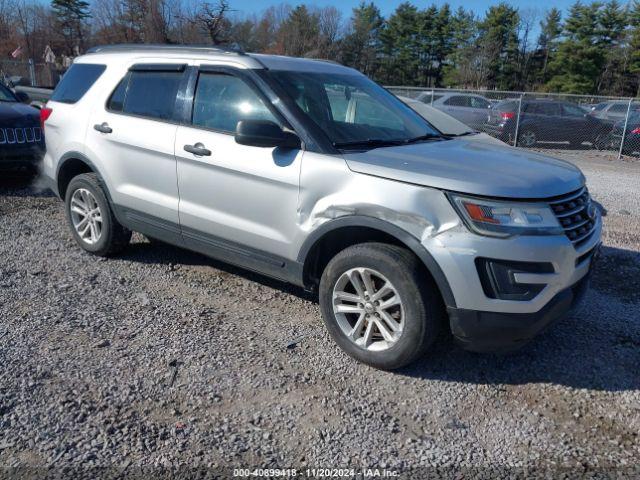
x=636 y=131
x=45 y=113
x=507 y=115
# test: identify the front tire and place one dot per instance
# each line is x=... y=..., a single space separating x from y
x=380 y=305
x=527 y=138
x=93 y=224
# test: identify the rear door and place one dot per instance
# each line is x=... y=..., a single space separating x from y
x=459 y=107
x=134 y=133
x=576 y=125
x=237 y=202
x=546 y=119
x=479 y=109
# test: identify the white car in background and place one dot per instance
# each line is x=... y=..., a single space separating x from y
x=446 y=123
x=470 y=109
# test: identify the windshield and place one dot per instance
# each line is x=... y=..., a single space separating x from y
x=6 y=95
x=352 y=110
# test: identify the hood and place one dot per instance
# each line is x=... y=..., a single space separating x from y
x=468 y=166
x=13 y=114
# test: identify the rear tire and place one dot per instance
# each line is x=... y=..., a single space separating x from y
x=93 y=224
x=371 y=326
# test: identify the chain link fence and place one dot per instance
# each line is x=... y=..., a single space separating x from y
x=29 y=73
x=541 y=120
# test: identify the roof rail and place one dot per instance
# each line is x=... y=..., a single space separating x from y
x=125 y=47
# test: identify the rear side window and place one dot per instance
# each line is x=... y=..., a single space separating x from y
x=116 y=101
x=618 y=108
x=458 y=101
x=543 y=108
x=572 y=111
x=76 y=82
x=510 y=106
x=151 y=94
x=479 y=102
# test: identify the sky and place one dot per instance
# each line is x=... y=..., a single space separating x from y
x=388 y=6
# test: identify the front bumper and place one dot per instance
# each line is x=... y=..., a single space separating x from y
x=501 y=332
x=19 y=158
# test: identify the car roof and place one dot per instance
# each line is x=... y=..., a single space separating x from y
x=126 y=52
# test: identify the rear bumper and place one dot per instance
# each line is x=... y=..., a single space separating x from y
x=501 y=332
x=498 y=131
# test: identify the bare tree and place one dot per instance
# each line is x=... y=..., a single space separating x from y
x=213 y=20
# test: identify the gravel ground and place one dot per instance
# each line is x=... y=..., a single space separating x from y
x=163 y=358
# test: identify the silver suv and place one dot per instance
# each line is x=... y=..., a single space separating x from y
x=309 y=172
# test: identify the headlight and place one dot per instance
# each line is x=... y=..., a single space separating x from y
x=504 y=219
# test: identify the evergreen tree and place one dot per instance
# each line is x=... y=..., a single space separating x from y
x=460 y=64
x=611 y=35
x=70 y=17
x=499 y=44
x=634 y=46
x=300 y=32
x=435 y=43
x=580 y=57
x=400 y=45
x=361 y=45
x=550 y=31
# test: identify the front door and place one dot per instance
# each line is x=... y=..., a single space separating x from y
x=236 y=202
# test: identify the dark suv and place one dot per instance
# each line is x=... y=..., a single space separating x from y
x=546 y=121
x=21 y=138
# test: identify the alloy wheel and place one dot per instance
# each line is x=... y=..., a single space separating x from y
x=368 y=309
x=527 y=138
x=86 y=216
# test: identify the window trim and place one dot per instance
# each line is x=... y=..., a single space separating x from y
x=158 y=67
x=153 y=67
x=243 y=77
x=126 y=92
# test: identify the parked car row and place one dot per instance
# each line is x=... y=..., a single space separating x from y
x=544 y=120
x=536 y=120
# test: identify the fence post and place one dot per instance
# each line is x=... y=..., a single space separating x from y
x=32 y=73
x=515 y=138
x=624 y=129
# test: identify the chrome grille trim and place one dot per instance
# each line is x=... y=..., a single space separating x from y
x=21 y=135
x=575 y=213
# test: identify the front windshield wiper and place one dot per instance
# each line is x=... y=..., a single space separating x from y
x=463 y=134
x=369 y=142
x=381 y=142
x=427 y=136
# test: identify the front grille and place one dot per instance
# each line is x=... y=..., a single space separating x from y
x=20 y=136
x=577 y=215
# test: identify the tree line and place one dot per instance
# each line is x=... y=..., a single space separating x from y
x=593 y=48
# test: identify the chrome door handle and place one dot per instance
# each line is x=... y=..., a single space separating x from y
x=198 y=149
x=103 y=128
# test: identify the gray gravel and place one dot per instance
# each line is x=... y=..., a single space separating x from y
x=163 y=358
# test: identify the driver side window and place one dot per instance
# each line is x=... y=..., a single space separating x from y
x=222 y=100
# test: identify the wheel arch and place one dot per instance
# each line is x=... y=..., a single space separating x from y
x=335 y=235
x=72 y=164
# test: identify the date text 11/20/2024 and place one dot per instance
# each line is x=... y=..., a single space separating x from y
x=316 y=472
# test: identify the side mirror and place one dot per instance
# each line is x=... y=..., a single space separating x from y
x=263 y=133
x=22 y=97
